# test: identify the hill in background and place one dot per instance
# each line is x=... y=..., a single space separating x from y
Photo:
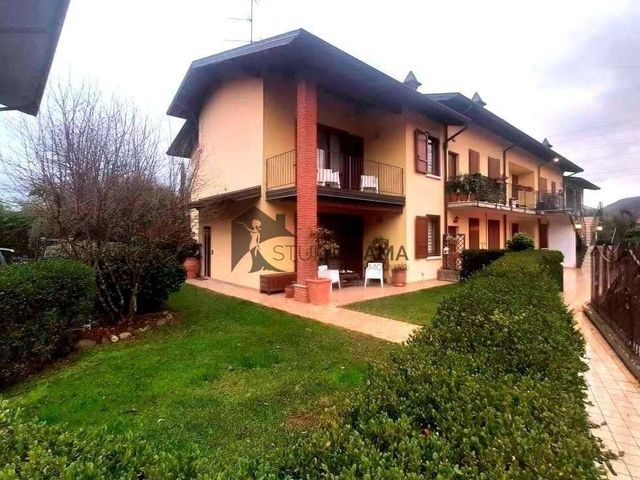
x=632 y=204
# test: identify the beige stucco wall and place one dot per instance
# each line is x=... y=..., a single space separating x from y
x=526 y=223
x=230 y=138
x=424 y=196
x=277 y=251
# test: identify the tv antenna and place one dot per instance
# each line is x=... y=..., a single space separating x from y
x=246 y=19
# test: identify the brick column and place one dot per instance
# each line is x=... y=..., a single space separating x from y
x=306 y=186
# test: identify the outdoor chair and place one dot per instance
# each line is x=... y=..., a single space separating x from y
x=333 y=275
x=374 y=271
x=368 y=182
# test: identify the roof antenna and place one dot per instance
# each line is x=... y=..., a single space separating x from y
x=247 y=19
x=547 y=143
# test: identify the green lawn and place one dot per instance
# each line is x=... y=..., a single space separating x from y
x=231 y=377
x=416 y=307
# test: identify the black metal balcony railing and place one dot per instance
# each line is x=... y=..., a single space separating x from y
x=477 y=188
x=347 y=172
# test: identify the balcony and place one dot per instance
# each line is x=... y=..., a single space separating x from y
x=349 y=178
x=477 y=190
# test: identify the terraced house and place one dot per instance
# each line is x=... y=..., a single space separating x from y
x=290 y=133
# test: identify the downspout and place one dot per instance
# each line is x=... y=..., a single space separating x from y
x=445 y=148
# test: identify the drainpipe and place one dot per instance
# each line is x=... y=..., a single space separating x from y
x=445 y=149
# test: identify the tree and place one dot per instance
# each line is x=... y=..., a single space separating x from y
x=97 y=181
x=14 y=230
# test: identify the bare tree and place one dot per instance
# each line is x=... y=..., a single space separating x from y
x=94 y=177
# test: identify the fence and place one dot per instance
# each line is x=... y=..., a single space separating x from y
x=615 y=291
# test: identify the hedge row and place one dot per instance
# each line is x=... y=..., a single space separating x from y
x=475 y=260
x=492 y=390
x=42 y=307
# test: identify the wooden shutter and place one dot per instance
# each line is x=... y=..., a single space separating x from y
x=493 y=227
x=433 y=166
x=494 y=168
x=474 y=233
x=553 y=187
x=452 y=165
x=421 y=237
x=420 y=142
x=543 y=185
x=474 y=161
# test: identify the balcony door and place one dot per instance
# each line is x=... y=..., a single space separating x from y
x=343 y=153
x=474 y=233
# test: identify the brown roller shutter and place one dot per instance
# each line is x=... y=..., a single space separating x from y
x=494 y=168
x=474 y=161
x=421 y=237
x=420 y=142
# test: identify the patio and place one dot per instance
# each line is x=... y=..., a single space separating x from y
x=384 y=328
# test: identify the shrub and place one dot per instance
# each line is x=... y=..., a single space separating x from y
x=163 y=276
x=476 y=260
x=520 y=242
x=42 y=307
x=492 y=390
x=34 y=451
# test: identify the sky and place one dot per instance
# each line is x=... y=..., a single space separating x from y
x=562 y=69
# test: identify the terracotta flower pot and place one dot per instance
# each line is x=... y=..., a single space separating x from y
x=289 y=291
x=399 y=278
x=192 y=266
x=319 y=290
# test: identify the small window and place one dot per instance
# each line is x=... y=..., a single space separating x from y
x=427 y=236
x=427 y=153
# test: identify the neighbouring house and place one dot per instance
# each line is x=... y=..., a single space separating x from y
x=290 y=134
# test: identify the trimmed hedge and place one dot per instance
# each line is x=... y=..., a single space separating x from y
x=42 y=306
x=475 y=260
x=35 y=451
x=492 y=390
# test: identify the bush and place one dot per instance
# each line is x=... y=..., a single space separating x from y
x=492 y=390
x=34 y=451
x=475 y=260
x=520 y=242
x=164 y=276
x=42 y=307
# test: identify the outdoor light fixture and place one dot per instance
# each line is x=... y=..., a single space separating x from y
x=599 y=228
x=556 y=160
x=578 y=226
x=456 y=219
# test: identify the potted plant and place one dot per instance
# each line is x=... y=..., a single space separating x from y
x=399 y=275
x=289 y=291
x=454 y=188
x=326 y=247
x=189 y=256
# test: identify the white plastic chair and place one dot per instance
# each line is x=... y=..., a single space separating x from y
x=333 y=275
x=374 y=271
x=368 y=182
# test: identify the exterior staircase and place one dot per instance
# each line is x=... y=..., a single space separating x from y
x=590 y=224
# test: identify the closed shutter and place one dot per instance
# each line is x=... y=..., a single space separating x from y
x=452 y=165
x=421 y=237
x=543 y=185
x=474 y=161
x=420 y=142
x=494 y=168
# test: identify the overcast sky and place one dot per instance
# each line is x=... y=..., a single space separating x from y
x=566 y=70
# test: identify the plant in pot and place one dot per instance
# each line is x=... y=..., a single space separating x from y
x=455 y=188
x=399 y=275
x=189 y=256
x=325 y=247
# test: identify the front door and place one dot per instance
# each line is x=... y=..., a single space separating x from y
x=207 y=252
x=474 y=233
x=544 y=235
x=493 y=227
x=348 y=231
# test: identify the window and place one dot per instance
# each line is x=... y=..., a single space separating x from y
x=427 y=236
x=427 y=153
x=452 y=165
x=494 y=168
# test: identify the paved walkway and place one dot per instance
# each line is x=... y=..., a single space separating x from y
x=613 y=390
x=384 y=328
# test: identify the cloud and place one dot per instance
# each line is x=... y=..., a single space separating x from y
x=597 y=81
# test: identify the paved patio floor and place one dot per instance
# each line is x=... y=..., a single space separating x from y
x=613 y=391
x=332 y=314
